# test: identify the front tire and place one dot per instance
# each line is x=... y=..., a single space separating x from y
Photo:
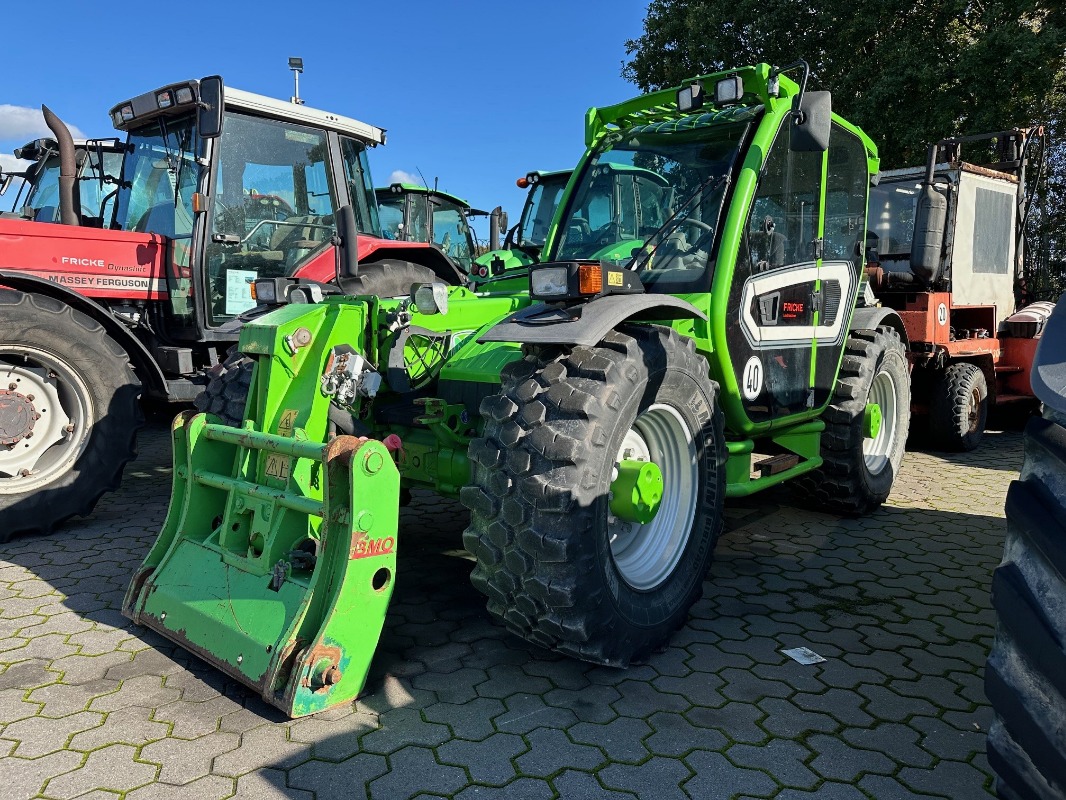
x=69 y=413
x=558 y=566
x=858 y=469
x=959 y=408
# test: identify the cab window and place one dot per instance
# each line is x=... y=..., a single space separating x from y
x=274 y=204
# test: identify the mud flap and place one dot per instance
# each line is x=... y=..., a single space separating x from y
x=281 y=590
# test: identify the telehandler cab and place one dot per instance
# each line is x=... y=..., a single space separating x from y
x=698 y=345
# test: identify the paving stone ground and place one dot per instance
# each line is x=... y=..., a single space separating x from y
x=94 y=707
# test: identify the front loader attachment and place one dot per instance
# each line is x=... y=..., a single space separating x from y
x=282 y=591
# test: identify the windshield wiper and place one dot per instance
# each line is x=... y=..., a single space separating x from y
x=673 y=222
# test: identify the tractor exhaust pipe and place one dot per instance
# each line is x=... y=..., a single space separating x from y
x=494 y=227
x=68 y=170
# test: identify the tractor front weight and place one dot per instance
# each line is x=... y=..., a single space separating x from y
x=277 y=559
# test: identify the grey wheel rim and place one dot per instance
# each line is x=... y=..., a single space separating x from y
x=646 y=555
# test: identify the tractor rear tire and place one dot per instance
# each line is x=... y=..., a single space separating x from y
x=558 y=568
x=959 y=408
x=390 y=277
x=69 y=413
x=857 y=471
x=1025 y=677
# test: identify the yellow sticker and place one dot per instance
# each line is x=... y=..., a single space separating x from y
x=288 y=422
x=614 y=279
x=277 y=466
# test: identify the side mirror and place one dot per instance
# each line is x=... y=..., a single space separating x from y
x=811 y=122
x=431 y=298
x=210 y=117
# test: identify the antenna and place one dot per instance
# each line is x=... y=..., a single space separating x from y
x=297 y=66
x=420 y=175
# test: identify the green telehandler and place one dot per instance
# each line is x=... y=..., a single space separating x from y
x=707 y=341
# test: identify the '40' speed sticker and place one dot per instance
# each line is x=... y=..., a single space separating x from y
x=751 y=381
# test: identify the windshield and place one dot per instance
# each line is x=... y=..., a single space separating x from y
x=452 y=233
x=537 y=216
x=891 y=217
x=159 y=176
x=645 y=182
x=390 y=210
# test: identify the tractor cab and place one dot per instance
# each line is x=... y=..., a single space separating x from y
x=98 y=166
x=254 y=196
x=545 y=192
x=418 y=214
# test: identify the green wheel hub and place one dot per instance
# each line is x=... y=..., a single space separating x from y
x=871 y=421
x=637 y=492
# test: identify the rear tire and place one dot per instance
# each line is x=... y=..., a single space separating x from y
x=857 y=471
x=69 y=413
x=557 y=568
x=959 y=408
x=1025 y=677
x=389 y=278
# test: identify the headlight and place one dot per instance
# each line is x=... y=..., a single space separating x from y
x=164 y=100
x=265 y=292
x=184 y=94
x=549 y=282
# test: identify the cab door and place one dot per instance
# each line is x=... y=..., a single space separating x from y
x=774 y=300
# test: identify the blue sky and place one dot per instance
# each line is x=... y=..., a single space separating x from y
x=473 y=93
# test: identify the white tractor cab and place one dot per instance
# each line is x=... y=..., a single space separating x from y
x=98 y=164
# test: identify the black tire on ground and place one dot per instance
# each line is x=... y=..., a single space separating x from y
x=959 y=408
x=226 y=394
x=60 y=364
x=857 y=472
x=390 y=278
x=539 y=494
x=1025 y=677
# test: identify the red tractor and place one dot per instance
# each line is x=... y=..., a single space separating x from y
x=945 y=251
x=219 y=187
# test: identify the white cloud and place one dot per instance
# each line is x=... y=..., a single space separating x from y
x=397 y=176
x=23 y=124
x=9 y=163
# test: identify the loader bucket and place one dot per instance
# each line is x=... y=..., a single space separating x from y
x=282 y=591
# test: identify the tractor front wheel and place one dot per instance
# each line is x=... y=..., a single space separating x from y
x=69 y=413
x=597 y=492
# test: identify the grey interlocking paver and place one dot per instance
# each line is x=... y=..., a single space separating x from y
x=657 y=777
x=127 y=726
x=675 y=736
x=897 y=602
x=472 y=720
x=401 y=727
x=209 y=787
x=114 y=768
x=261 y=747
x=415 y=769
x=488 y=761
x=24 y=778
x=268 y=784
x=40 y=735
x=520 y=789
x=349 y=778
x=184 y=760
x=551 y=751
